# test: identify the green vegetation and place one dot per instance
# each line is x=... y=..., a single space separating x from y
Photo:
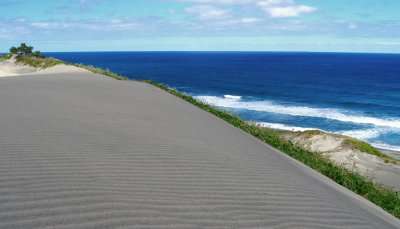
x=38 y=62
x=367 y=148
x=5 y=57
x=24 y=54
x=101 y=71
x=350 y=142
x=25 y=50
x=310 y=133
x=381 y=196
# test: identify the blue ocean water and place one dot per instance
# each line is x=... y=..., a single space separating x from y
x=352 y=94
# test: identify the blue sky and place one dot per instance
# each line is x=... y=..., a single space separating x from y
x=203 y=25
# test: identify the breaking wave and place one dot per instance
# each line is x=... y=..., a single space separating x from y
x=233 y=97
x=283 y=126
x=267 y=106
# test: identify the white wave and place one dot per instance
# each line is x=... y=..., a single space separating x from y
x=268 y=106
x=387 y=147
x=365 y=134
x=234 y=97
x=279 y=126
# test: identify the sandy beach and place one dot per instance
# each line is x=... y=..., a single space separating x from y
x=79 y=150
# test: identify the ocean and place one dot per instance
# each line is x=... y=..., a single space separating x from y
x=352 y=94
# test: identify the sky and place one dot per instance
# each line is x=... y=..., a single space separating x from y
x=202 y=25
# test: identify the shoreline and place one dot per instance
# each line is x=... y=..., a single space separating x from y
x=376 y=129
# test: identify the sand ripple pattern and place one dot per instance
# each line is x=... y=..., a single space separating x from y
x=82 y=151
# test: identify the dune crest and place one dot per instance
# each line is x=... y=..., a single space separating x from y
x=10 y=67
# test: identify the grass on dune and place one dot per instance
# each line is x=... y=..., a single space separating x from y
x=5 y=57
x=24 y=54
x=351 y=143
x=38 y=62
x=367 y=148
x=101 y=71
x=46 y=62
x=384 y=197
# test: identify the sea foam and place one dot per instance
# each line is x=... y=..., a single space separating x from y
x=233 y=97
x=388 y=147
x=271 y=107
x=365 y=134
x=362 y=134
x=283 y=126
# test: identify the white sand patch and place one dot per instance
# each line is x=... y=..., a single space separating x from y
x=6 y=74
x=11 y=68
x=61 y=68
x=332 y=146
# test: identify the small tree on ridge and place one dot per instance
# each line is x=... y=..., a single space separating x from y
x=25 y=50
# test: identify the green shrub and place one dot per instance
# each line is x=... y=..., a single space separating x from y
x=13 y=50
x=25 y=55
x=5 y=57
x=22 y=50
x=38 y=62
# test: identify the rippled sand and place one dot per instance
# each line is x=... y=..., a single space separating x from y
x=83 y=151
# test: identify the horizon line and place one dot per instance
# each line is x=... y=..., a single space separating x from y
x=221 y=51
x=227 y=51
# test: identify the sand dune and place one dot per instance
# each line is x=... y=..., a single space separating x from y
x=10 y=68
x=79 y=151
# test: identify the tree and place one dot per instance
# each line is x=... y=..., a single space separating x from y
x=25 y=50
x=13 y=50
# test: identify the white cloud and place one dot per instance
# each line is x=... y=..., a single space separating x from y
x=273 y=8
x=284 y=8
x=208 y=12
x=112 y=25
x=248 y=20
x=352 y=25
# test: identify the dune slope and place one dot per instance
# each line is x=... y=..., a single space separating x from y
x=84 y=151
